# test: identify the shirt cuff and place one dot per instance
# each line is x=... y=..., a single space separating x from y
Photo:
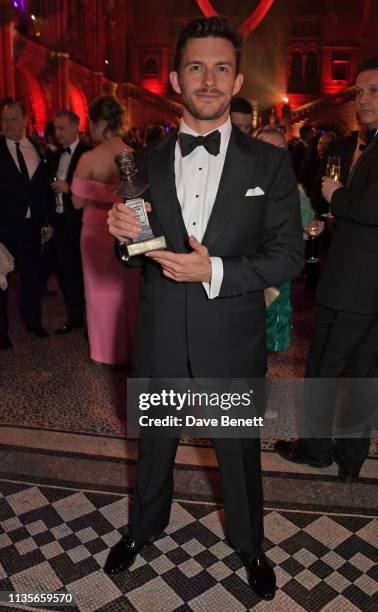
x=213 y=288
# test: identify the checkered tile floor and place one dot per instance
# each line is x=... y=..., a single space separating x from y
x=56 y=539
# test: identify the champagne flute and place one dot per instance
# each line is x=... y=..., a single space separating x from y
x=312 y=231
x=333 y=170
x=334 y=167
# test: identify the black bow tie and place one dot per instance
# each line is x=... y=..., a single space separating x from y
x=66 y=150
x=371 y=135
x=211 y=142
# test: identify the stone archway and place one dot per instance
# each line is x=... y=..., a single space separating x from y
x=30 y=93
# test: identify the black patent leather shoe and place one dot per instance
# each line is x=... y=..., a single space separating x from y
x=68 y=326
x=122 y=555
x=5 y=342
x=346 y=474
x=37 y=330
x=261 y=576
x=293 y=451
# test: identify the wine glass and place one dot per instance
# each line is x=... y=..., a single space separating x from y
x=312 y=231
x=333 y=170
x=333 y=167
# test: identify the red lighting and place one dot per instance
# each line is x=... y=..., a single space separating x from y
x=155 y=86
x=249 y=24
x=206 y=8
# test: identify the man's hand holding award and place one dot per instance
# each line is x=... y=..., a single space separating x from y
x=129 y=221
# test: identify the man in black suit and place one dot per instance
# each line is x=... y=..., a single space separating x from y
x=300 y=150
x=66 y=219
x=241 y=114
x=345 y=337
x=349 y=149
x=25 y=200
x=228 y=207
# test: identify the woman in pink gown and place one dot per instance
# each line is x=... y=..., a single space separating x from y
x=111 y=290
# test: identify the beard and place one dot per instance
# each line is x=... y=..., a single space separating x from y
x=200 y=114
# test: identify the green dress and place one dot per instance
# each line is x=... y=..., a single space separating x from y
x=278 y=320
x=279 y=314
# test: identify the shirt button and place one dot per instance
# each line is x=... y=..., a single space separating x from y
x=199 y=168
x=194 y=223
x=197 y=196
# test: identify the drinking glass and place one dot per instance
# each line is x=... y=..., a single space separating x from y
x=312 y=231
x=333 y=171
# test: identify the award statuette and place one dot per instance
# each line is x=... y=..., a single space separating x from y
x=130 y=188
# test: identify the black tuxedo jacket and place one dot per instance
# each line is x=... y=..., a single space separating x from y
x=344 y=148
x=17 y=193
x=72 y=217
x=298 y=156
x=259 y=239
x=349 y=280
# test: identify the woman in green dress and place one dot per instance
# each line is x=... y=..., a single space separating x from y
x=279 y=313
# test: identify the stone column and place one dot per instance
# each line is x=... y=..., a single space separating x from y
x=7 y=84
x=97 y=84
x=60 y=81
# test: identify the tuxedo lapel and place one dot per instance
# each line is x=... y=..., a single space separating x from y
x=361 y=160
x=236 y=176
x=42 y=160
x=162 y=187
x=347 y=158
x=9 y=159
x=73 y=161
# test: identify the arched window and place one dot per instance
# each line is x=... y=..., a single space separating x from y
x=296 y=72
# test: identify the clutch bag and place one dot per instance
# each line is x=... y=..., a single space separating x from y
x=270 y=295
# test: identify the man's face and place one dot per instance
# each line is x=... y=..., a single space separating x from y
x=367 y=97
x=66 y=132
x=323 y=143
x=242 y=121
x=13 y=123
x=207 y=77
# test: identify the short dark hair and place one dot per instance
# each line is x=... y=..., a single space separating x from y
x=217 y=27
x=369 y=64
x=10 y=103
x=240 y=105
x=305 y=129
x=72 y=117
x=152 y=133
x=112 y=111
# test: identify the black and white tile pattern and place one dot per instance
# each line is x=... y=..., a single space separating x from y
x=57 y=539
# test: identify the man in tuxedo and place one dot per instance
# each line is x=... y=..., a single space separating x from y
x=228 y=207
x=349 y=149
x=299 y=151
x=66 y=219
x=345 y=337
x=25 y=200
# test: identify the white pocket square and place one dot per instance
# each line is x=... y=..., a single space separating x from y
x=256 y=191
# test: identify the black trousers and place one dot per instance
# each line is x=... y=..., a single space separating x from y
x=240 y=468
x=341 y=342
x=24 y=245
x=67 y=246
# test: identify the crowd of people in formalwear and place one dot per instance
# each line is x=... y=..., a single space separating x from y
x=64 y=195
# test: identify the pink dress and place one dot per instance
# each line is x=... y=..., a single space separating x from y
x=111 y=290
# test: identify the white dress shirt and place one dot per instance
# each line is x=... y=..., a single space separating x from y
x=61 y=174
x=31 y=157
x=197 y=177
